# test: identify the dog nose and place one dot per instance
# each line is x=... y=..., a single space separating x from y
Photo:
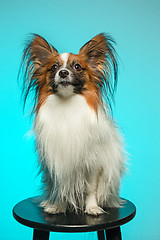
x=63 y=73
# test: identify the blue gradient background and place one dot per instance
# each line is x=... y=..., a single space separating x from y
x=68 y=25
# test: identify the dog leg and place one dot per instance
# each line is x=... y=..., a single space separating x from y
x=92 y=207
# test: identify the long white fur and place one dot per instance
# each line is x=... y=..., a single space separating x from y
x=76 y=145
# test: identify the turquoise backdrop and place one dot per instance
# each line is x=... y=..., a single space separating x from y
x=68 y=25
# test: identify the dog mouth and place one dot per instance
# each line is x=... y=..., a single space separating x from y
x=77 y=85
x=65 y=84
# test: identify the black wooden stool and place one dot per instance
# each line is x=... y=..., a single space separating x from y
x=28 y=213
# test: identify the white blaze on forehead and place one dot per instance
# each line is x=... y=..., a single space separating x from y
x=64 y=57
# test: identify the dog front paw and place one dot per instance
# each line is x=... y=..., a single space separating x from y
x=94 y=210
x=54 y=209
x=44 y=204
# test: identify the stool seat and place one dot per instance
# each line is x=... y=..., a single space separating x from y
x=29 y=213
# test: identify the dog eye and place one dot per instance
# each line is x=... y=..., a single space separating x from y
x=77 y=67
x=54 y=67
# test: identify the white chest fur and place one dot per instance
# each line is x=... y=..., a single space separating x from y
x=69 y=132
x=65 y=129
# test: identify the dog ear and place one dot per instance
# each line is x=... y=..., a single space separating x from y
x=38 y=51
x=37 y=57
x=94 y=51
x=101 y=56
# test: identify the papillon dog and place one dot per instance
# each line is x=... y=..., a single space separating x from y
x=80 y=151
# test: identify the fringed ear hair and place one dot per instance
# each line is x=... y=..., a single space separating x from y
x=36 y=57
x=101 y=56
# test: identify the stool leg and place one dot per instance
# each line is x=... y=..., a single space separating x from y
x=101 y=235
x=113 y=234
x=40 y=235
